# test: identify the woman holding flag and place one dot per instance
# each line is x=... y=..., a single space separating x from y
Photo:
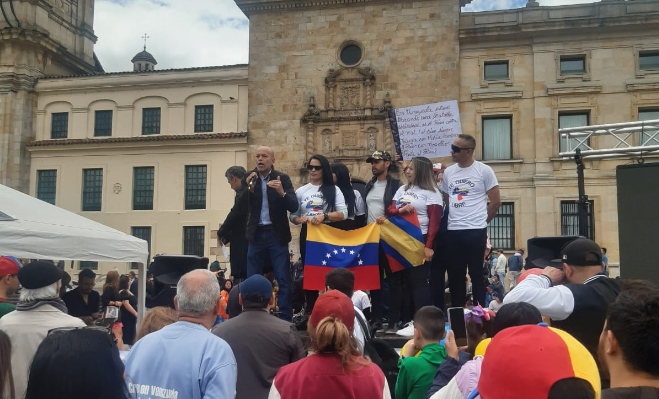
x=321 y=201
x=421 y=196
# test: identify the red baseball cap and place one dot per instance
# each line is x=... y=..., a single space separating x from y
x=539 y=356
x=8 y=266
x=334 y=304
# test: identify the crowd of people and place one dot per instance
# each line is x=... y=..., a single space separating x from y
x=567 y=331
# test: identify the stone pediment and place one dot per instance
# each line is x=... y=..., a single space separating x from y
x=348 y=124
x=249 y=7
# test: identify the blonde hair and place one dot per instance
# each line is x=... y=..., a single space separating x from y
x=156 y=319
x=332 y=336
x=111 y=280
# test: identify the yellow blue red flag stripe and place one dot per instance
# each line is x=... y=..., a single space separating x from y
x=402 y=242
x=355 y=250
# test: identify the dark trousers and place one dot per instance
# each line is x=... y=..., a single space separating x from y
x=310 y=296
x=395 y=296
x=266 y=244
x=466 y=250
x=417 y=281
x=438 y=268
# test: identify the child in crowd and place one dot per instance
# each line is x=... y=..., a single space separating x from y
x=416 y=373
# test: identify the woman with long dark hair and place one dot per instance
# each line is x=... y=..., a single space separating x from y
x=421 y=196
x=6 y=376
x=110 y=297
x=80 y=363
x=128 y=310
x=354 y=201
x=321 y=201
x=337 y=368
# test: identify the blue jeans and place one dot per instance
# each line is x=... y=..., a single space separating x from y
x=266 y=244
x=502 y=277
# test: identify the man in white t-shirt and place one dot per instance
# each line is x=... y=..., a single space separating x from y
x=467 y=186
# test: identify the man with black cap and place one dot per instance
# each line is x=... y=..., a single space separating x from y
x=575 y=297
x=38 y=311
x=378 y=194
x=261 y=342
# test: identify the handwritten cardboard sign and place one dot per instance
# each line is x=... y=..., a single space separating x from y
x=426 y=130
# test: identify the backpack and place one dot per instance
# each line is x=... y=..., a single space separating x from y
x=381 y=354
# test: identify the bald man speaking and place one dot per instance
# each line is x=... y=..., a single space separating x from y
x=271 y=196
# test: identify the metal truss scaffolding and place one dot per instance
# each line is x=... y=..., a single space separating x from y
x=631 y=139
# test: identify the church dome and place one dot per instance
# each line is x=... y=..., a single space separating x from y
x=144 y=56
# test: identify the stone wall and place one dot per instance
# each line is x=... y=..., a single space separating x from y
x=411 y=48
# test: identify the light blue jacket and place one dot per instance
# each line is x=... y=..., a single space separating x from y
x=181 y=361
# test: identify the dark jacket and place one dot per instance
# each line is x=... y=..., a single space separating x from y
x=279 y=207
x=389 y=191
x=262 y=344
x=233 y=231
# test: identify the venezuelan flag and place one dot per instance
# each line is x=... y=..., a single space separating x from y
x=355 y=250
x=402 y=241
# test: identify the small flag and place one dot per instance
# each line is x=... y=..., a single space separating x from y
x=355 y=250
x=402 y=241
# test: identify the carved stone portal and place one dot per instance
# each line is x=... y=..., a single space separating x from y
x=348 y=127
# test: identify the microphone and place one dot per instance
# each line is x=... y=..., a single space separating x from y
x=251 y=183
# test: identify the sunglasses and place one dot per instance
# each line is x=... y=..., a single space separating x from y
x=457 y=149
x=314 y=167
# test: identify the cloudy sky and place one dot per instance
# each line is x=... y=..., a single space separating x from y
x=193 y=33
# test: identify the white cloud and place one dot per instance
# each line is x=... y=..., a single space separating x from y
x=183 y=33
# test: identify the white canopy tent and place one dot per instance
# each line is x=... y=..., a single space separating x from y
x=34 y=229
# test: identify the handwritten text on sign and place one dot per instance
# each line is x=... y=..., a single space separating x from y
x=428 y=130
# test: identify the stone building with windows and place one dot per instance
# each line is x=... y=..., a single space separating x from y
x=143 y=152
x=323 y=75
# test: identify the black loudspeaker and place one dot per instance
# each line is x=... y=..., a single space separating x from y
x=545 y=251
x=167 y=271
x=638 y=220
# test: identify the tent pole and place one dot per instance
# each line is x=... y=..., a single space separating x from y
x=141 y=293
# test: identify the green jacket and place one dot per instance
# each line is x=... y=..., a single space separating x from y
x=416 y=374
x=6 y=307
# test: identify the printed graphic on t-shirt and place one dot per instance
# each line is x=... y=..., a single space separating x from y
x=403 y=202
x=314 y=205
x=460 y=189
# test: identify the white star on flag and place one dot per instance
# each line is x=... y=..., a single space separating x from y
x=328 y=256
x=359 y=255
x=324 y=263
x=336 y=252
x=343 y=250
x=352 y=252
x=361 y=262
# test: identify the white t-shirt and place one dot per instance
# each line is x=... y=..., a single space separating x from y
x=360 y=209
x=467 y=191
x=495 y=306
x=313 y=203
x=420 y=200
x=360 y=300
x=375 y=201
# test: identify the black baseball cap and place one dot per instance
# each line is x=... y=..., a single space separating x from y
x=379 y=155
x=582 y=252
